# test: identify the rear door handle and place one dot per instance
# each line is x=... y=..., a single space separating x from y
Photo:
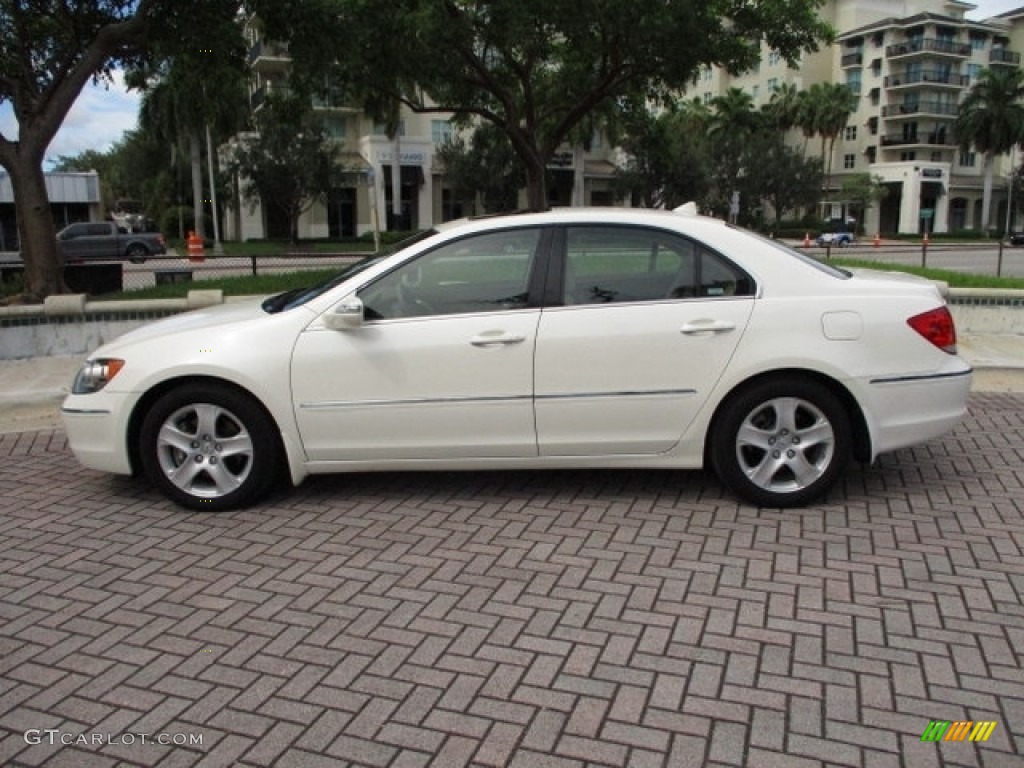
x=707 y=327
x=496 y=339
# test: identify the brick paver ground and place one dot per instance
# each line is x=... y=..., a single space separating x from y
x=518 y=619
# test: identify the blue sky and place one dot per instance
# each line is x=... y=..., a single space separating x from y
x=104 y=112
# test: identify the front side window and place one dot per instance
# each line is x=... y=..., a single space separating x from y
x=481 y=273
x=606 y=265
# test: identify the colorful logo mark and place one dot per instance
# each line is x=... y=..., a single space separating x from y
x=944 y=730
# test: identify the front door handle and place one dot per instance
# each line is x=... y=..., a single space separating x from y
x=707 y=327
x=496 y=339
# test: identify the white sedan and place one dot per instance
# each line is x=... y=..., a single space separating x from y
x=571 y=338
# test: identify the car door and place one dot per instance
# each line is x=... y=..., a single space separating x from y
x=442 y=365
x=648 y=322
x=74 y=242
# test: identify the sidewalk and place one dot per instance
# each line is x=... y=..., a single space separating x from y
x=31 y=390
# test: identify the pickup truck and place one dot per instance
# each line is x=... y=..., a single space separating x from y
x=105 y=240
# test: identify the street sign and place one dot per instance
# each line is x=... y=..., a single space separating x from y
x=927 y=213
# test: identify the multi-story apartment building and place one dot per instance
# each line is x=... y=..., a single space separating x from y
x=366 y=200
x=911 y=62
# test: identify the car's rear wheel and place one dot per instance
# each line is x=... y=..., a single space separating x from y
x=137 y=254
x=781 y=442
x=209 y=447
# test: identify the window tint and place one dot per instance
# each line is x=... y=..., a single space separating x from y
x=607 y=264
x=480 y=273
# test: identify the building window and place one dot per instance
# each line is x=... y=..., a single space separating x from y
x=853 y=80
x=708 y=73
x=440 y=131
x=774 y=58
x=967 y=159
x=707 y=98
x=972 y=71
x=772 y=84
x=876 y=67
x=850 y=133
x=849 y=161
x=335 y=126
x=754 y=91
x=908 y=156
x=978 y=41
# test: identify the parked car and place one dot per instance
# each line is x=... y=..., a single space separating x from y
x=571 y=338
x=836 y=239
x=105 y=240
x=1017 y=238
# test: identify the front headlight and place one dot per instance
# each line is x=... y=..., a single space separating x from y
x=95 y=375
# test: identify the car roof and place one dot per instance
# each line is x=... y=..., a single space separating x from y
x=681 y=219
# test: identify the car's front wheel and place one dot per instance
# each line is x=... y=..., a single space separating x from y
x=137 y=254
x=209 y=447
x=781 y=443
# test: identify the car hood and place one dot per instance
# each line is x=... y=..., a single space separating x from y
x=217 y=316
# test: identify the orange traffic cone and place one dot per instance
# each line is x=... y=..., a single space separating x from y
x=807 y=239
x=878 y=240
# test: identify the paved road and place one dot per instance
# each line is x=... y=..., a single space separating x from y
x=518 y=619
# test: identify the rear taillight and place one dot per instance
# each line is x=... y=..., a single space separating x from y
x=936 y=326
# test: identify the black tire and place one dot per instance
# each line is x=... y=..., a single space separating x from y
x=137 y=254
x=781 y=442
x=209 y=447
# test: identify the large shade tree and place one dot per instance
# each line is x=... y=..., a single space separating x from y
x=535 y=69
x=49 y=50
x=991 y=119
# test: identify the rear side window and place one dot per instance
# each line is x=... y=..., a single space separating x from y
x=609 y=264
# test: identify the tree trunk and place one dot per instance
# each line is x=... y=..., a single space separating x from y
x=196 y=158
x=536 y=183
x=44 y=269
x=986 y=194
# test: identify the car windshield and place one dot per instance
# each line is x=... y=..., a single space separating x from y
x=299 y=296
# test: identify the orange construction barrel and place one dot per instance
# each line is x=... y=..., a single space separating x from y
x=195 y=247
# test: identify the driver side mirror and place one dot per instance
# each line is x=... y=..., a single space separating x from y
x=346 y=316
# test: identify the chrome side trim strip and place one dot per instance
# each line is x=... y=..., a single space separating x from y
x=410 y=401
x=87 y=411
x=925 y=377
x=342 y=404
x=638 y=393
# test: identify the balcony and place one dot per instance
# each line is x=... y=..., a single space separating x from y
x=934 y=139
x=926 y=107
x=931 y=76
x=852 y=60
x=929 y=45
x=1004 y=57
x=258 y=97
x=266 y=56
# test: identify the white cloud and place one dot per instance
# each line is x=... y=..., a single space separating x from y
x=98 y=118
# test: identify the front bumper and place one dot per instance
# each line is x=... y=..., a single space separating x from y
x=97 y=430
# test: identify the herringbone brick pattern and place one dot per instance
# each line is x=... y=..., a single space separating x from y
x=518 y=619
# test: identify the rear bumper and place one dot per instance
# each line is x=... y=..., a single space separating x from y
x=909 y=410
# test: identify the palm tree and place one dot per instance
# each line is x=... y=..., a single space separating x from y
x=825 y=110
x=732 y=122
x=783 y=108
x=991 y=119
